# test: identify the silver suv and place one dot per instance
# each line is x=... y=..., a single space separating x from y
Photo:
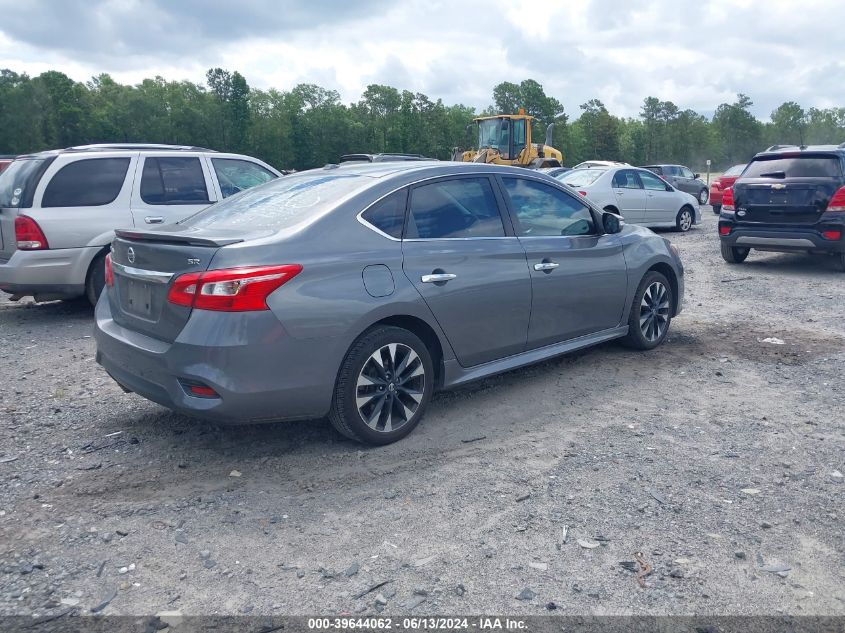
x=59 y=209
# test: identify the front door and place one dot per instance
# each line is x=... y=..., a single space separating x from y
x=578 y=275
x=169 y=188
x=470 y=271
x=661 y=202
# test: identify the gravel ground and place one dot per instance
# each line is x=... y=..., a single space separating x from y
x=719 y=456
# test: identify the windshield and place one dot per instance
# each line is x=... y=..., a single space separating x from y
x=281 y=203
x=803 y=166
x=581 y=177
x=492 y=134
x=15 y=182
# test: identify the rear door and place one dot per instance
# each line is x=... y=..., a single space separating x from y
x=169 y=187
x=630 y=195
x=469 y=268
x=787 y=189
x=579 y=278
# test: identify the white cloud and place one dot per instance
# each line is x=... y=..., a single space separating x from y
x=696 y=53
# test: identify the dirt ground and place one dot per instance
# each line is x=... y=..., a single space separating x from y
x=719 y=456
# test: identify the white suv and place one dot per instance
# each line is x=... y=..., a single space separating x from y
x=59 y=209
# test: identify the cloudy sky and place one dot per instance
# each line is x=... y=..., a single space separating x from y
x=697 y=53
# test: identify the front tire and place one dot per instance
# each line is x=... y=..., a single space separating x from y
x=651 y=312
x=734 y=255
x=384 y=386
x=96 y=279
x=703 y=196
x=683 y=222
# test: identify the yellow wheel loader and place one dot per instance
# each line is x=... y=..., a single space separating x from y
x=505 y=139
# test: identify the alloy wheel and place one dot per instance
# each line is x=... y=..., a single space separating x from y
x=390 y=387
x=685 y=221
x=654 y=311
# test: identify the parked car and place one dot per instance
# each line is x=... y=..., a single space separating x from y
x=718 y=186
x=637 y=195
x=59 y=209
x=554 y=172
x=5 y=161
x=682 y=178
x=599 y=163
x=787 y=199
x=356 y=291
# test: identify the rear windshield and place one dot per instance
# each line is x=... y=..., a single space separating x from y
x=736 y=170
x=279 y=204
x=581 y=177
x=794 y=167
x=18 y=181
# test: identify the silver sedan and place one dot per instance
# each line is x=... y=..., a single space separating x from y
x=638 y=195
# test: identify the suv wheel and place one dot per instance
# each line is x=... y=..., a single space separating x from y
x=684 y=220
x=734 y=255
x=703 y=196
x=383 y=387
x=96 y=279
x=651 y=313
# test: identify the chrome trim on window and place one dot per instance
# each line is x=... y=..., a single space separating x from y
x=140 y=274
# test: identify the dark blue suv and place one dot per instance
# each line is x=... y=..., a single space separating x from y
x=789 y=198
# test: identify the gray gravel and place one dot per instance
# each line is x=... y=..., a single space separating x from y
x=719 y=457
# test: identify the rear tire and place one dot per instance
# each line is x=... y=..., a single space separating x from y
x=96 y=279
x=683 y=222
x=717 y=209
x=651 y=313
x=734 y=255
x=383 y=387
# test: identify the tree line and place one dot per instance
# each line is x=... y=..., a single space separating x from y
x=309 y=126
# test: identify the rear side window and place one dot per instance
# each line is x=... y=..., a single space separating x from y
x=388 y=214
x=736 y=170
x=236 y=175
x=91 y=182
x=460 y=208
x=794 y=167
x=173 y=180
x=19 y=180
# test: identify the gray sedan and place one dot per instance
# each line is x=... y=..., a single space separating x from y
x=355 y=292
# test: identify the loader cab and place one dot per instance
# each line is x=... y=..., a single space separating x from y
x=508 y=135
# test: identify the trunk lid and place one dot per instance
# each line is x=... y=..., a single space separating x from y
x=145 y=264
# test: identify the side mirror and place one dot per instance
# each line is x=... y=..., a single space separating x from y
x=611 y=222
x=697 y=176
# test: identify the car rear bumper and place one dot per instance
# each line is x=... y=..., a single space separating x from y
x=259 y=372
x=780 y=239
x=49 y=274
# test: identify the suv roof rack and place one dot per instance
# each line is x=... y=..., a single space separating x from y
x=137 y=146
x=841 y=145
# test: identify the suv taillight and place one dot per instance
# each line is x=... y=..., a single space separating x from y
x=728 y=199
x=230 y=289
x=28 y=234
x=837 y=202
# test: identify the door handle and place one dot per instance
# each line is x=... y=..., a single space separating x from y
x=546 y=266
x=154 y=219
x=436 y=278
x=620 y=193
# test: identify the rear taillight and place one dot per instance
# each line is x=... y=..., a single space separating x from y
x=29 y=235
x=728 y=199
x=837 y=202
x=724 y=230
x=832 y=234
x=109 y=271
x=230 y=289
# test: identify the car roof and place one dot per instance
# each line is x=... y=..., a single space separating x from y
x=777 y=150
x=119 y=147
x=430 y=167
